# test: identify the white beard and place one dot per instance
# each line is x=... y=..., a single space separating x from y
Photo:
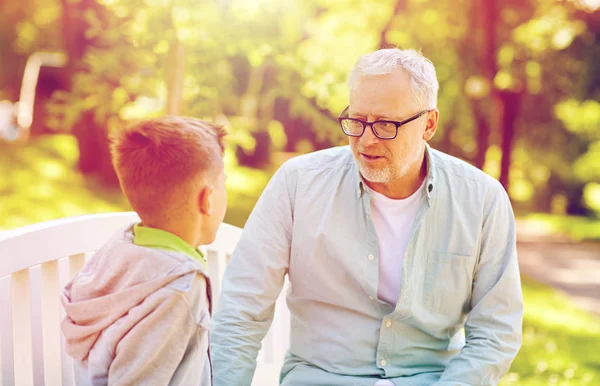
x=376 y=175
x=385 y=175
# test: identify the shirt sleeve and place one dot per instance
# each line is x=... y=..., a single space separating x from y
x=252 y=283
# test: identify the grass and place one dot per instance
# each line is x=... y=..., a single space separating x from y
x=560 y=342
x=577 y=228
x=40 y=182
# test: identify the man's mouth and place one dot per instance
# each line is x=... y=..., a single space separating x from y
x=370 y=157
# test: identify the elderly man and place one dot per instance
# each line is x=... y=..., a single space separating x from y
x=402 y=260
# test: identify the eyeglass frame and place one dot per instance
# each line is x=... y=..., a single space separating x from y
x=340 y=118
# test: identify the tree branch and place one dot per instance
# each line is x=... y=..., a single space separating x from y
x=399 y=6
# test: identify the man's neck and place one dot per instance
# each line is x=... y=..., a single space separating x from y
x=404 y=186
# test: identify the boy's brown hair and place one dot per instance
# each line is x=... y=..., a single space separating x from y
x=159 y=162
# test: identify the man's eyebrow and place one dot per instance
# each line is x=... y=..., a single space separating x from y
x=383 y=117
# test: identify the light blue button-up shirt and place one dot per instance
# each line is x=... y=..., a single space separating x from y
x=313 y=223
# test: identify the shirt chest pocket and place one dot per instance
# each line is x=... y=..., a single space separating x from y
x=448 y=282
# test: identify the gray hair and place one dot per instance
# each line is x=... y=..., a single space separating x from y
x=424 y=81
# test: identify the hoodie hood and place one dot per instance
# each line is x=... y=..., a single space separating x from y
x=117 y=278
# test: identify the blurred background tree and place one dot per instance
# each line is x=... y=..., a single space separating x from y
x=519 y=79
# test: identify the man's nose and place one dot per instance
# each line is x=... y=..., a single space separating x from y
x=368 y=138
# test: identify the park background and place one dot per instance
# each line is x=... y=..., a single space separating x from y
x=519 y=98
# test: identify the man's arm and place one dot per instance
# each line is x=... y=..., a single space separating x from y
x=494 y=326
x=253 y=280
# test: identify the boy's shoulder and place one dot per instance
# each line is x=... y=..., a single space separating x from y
x=121 y=253
x=121 y=266
x=195 y=290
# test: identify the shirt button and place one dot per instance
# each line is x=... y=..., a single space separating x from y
x=371 y=257
x=383 y=362
x=388 y=323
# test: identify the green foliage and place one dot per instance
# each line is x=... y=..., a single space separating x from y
x=279 y=68
x=259 y=66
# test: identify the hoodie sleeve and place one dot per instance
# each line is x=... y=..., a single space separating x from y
x=151 y=352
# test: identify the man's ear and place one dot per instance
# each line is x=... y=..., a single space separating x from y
x=205 y=200
x=431 y=124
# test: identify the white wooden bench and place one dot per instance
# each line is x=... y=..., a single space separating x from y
x=37 y=261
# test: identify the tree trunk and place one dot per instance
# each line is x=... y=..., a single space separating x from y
x=444 y=143
x=575 y=205
x=290 y=125
x=399 y=6
x=542 y=200
x=510 y=108
x=485 y=16
x=94 y=151
x=92 y=138
x=483 y=132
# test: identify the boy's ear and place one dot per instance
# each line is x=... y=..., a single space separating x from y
x=205 y=200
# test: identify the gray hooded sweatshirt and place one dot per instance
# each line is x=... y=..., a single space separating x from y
x=138 y=316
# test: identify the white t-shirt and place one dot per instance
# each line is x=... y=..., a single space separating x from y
x=393 y=220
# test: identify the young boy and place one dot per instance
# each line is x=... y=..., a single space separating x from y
x=139 y=311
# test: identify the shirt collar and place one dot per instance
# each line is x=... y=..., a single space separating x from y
x=163 y=240
x=361 y=186
x=431 y=171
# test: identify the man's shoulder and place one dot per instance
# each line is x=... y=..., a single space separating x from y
x=322 y=159
x=458 y=171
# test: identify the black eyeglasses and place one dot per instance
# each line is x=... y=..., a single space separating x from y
x=382 y=129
